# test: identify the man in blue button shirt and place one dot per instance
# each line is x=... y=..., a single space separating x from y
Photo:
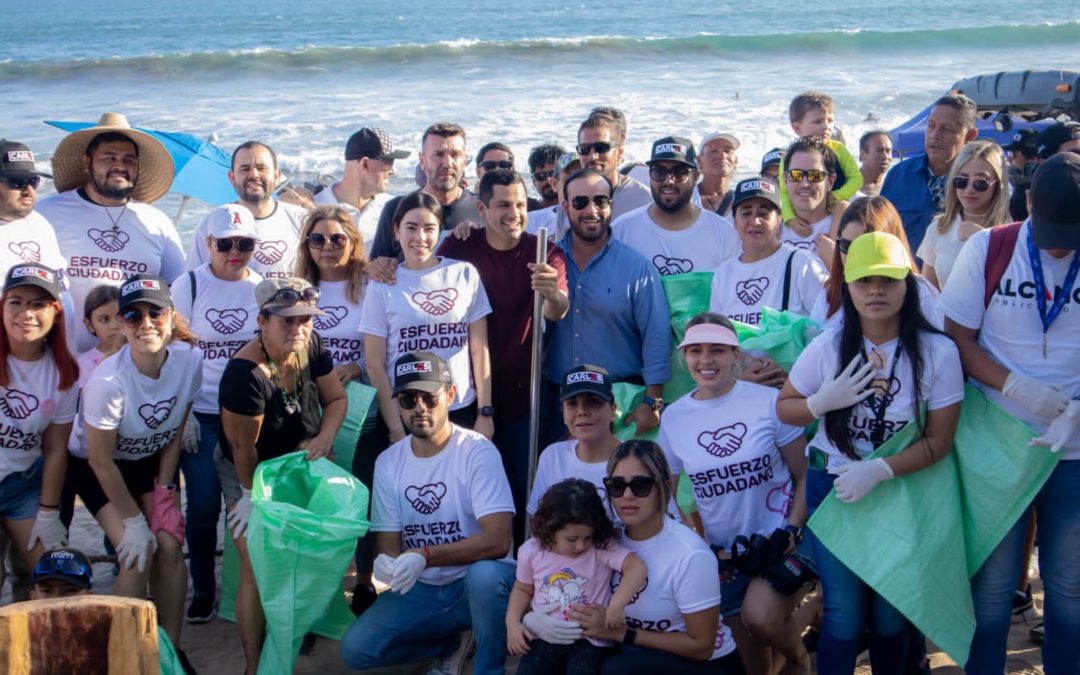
x=916 y=186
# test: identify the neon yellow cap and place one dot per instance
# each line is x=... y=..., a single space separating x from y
x=876 y=254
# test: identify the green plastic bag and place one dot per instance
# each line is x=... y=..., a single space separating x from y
x=783 y=335
x=168 y=661
x=305 y=520
x=361 y=397
x=687 y=296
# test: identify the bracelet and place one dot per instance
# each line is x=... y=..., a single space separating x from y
x=43 y=505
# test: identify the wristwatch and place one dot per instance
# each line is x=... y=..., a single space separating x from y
x=487 y=411
x=629 y=636
x=655 y=403
x=796 y=532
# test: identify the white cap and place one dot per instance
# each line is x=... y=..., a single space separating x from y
x=231 y=220
x=730 y=138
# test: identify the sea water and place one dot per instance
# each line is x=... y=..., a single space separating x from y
x=302 y=76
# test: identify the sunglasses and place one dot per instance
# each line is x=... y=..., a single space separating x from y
x=242 y=244
x=316 y=240
x=407 y=400
x=660 y=173
x=491 y=164
x=541 y=176
x=20 y=183
x=843 y=245
x=641 y=486
x=980 y=184
x=811 y=175
x=288 y=297
x=601 y=148
x=581 y=202
x=134 y=317
x=68 y=567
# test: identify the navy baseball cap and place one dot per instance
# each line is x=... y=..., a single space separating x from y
x=65 y=564
x=145 y=288
x=756 y=187
x=586 y=379
x=420 y=371
x=33 y=274
x=674 y=148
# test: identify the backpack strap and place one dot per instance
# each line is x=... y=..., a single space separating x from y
x=787 y=281
x=998 y=254
x=725 y=203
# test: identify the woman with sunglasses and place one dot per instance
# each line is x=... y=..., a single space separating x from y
x=278 y=394
x=809 y=174
x=866 y=379
x=437 y=305
x=673 y=623
x=715 y=434
x=218 y=300
x=134 y=408
x=976 y=197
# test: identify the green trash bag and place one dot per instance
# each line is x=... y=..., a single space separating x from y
x=687 y=296
x=361 y=397
x=168 y=661
x=782 y=335
x=305 y=520
x=230 y=577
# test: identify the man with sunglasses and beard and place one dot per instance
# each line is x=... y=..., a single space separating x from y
x=255 y=177
x=441 y=512
x=673 y=233
x=25 y=236
x=601 y=147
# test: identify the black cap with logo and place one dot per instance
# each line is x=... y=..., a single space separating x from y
x=420 y=371
x=673 y=148
x=586 y=379
x=33 y=274
x=1023 y=139
x=145 y=288
x=756 y=187
x=1053 y=136
x=372 y=143
x=17 y=160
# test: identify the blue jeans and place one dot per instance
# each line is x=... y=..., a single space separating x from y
x=424 y=623
x=1057 y=514
x=203 y=505
x=851 y=607
x=512 y=440
x=20 y=493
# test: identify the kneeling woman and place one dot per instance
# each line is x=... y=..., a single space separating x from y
x=134 y=408
x=866 y=379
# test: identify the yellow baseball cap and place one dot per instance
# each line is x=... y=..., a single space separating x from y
x=876 y=254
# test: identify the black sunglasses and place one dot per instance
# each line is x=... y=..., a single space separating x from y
x=843 y=245
x=540 y=176
x=641 y=486
x=492 y=164
x=601 y=148
x=660 y=173
x=289 y=297
x=811 y=175
x=19 y=183
x=581 y=202
x=407 y=400
x=242 y=244
x=317 y=240
x=980 y=184
x=134 y=317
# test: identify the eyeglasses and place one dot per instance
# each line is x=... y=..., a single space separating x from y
x=980 y=184
x=491 y=164
x=541 y=176
x=812 y=175
x=68 y=567
x=601 y=148
x=242 y=244
x=581 y=202
x=317 y=240
x=679 y=173
x=843 y=245
x=134 y=317
x=407 y=400
x=20 y=183
x=641 y=486
x=288 y=297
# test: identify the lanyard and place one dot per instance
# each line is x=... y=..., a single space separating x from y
x=1040 y=287
x=879 y=404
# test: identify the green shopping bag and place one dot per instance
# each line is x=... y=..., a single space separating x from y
x=305 y=520
x=687 y=296
x=783 y=335
x=168 y=661
x=361 y=397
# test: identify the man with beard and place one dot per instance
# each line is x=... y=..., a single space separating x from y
x=106 y=177
x=718 y=161
x=255 y=176
x=25 y=236
x=875 y=156
x=618 y=317
x=545 y=177
x=673 y=233
x=601 y=145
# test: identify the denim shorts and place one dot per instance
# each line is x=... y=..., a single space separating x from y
x=20 y=493
x=226 y=471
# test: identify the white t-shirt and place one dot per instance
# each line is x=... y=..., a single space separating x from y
x=1010 y=328
x=28 y=405
x=560 y=461
x=275 y=254
x=629 y=194
x=699 y=248
x=30 y=239
x=553 y=218
x=146 y=413
x=340 y=328
x=367 y=221
x=223 y=318
x=740 y=290
x=928 y=302
x=144 y=242
x=87 y=361
x=941 y=250
x=729 y=448
x=808 y=243
x=942 y=385
x=431 y=310
x=683 y=578
x=439 y=500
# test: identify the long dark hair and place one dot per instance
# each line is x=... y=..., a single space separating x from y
x=912 y=327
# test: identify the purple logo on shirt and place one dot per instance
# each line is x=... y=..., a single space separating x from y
x=227 y=321
x=155 y=414
x=804 y=245
x=751 y=290
x=270 y=252
x=876 y=399
x=437 y=302
x=723 y=442
x=29 y=251
x=17 y=405
x=426 y=499
x=779 y=500
x=616 y=579
x=334 y=315
x=667 y=266
x=109 y=241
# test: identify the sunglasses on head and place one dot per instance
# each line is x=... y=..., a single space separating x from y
x=407 y=400
x=811 y=175
x=661 y=173
x=242 y=244
x=317 y=240
x=134 y=317
x=289 y=297
x=18 y=183
x=492 y=164
x=540 y=176
x=581 y=202
x=601 y=148
x=641 y=486
x=980 y=184
x=68 y=567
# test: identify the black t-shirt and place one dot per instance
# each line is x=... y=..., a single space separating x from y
x=386 y=246
x=246 y=390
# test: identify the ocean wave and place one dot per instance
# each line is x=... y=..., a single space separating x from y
x=186 y=64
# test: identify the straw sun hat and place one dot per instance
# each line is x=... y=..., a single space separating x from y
x=155 y=163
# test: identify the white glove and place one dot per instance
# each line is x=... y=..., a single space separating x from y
x=843 y=390
x=407 y=569
x=855 y=479
x=48 y=530
x=551 y=630
x=133 y=546
x=189 y=442
x=1063 y=429
x=384 y=568
x=1039 y=398
x=238 y=518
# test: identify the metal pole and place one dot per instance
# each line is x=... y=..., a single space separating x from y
x=534 y=382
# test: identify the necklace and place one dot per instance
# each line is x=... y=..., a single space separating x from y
x=115 y=221
x=292 y=403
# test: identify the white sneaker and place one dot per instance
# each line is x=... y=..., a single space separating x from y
x=455 y=663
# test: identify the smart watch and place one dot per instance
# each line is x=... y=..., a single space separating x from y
x=629 y=636
x=487 y=411
x=655 y=403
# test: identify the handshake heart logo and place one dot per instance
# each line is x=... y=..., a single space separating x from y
x=227 y=321
x=155 y=414
x=723 y=442
x=334 y=315
x=109 y=241
x=17 y=405
x=751 y=290
x=616 y=579
x=779 y=500
x=28 y=251
x=426 y=499
x=437 y=302
x=894 y=389
x=270 y=252
x=668 y=266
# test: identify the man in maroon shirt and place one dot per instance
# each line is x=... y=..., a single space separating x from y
x=505 y=256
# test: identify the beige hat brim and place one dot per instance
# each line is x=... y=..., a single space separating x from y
x=156 y=167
